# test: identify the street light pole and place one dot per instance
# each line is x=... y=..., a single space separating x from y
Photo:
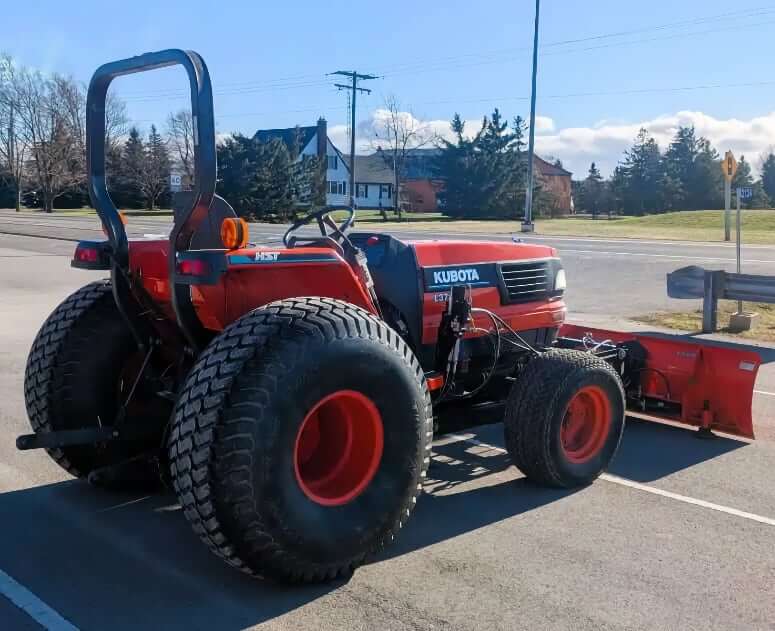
x=527 y=223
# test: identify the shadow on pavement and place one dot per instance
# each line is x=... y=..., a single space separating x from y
x=109 y=561
x=106 y=560
x=453 y=507
x=650 y=450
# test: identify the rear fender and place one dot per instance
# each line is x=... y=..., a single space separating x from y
x=697 y=383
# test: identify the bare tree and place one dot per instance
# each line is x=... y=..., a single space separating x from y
x=396 y=133
x=70 y=100
x=46 y=109
x=116 y=121
x=13 y=145
x=180 y=135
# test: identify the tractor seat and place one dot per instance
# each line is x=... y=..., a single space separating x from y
x=207 y=236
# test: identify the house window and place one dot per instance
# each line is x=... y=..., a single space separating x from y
x=361 y=190
x=337 y=188
x=332 y=162
x=385 y=191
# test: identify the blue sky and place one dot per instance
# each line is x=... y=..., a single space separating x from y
x=268 y=63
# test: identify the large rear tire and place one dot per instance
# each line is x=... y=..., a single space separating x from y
x=78 y=369
x=564 y=418
x=301 y=439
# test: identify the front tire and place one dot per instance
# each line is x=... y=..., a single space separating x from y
x=301 y=440
x=564 y=418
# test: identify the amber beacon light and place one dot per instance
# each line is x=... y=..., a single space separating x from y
x=234 y=233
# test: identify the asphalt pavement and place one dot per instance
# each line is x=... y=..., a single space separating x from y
x=680 y=535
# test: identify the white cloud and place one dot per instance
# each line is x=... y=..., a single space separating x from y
x=606 y=141
x=603 y=142
x=544 y=124
x=367 y=131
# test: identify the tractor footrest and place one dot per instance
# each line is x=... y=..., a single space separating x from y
x=85 y=436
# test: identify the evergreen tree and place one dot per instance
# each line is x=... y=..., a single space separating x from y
x=768 y=175
x=593 y=190
x=156 y=171
x=642 y=173
x=706 y=184
x=126 y=192
x=743 y=179
x=618 y=188
x=454 y=163
x=485 y=176
x=743 y=175
x=679 y=169
x=760 y=199
x=256 y=177
x=519 y=127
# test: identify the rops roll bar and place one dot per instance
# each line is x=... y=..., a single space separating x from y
x=204 y=170
x=204 y=143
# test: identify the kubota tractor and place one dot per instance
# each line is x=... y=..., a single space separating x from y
x=289 y=394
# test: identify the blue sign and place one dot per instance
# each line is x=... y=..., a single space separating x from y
x=745 y=193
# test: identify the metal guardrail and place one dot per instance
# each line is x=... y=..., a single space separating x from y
x=714 y=285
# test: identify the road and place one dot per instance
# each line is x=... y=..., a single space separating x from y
x=637 y=287
x=681 y=535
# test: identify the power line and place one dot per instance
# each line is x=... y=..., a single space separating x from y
x=496 y=56
x=635 y=91
x=354 y=89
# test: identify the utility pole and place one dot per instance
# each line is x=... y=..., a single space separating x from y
x=527 y=223
x=353 y=86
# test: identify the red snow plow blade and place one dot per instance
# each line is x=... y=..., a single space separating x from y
x=696 y=383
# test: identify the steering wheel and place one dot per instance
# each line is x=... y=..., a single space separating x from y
x=324 y=223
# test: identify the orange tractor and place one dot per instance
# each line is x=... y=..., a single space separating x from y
x=289 y=395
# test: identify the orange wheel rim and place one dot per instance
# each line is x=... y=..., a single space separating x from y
x=586 y=424
x=338 y=448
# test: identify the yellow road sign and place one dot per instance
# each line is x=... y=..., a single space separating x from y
x=729 y=166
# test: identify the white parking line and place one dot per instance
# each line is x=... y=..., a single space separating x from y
x=33 y=606
x=615 y=479
x=765 y=393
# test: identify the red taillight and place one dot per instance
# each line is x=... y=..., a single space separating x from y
x=193 y=267
x=86 y=254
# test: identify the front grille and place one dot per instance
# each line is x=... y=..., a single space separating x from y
x=527 y=281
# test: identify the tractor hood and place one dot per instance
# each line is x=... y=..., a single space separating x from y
x=463 y=252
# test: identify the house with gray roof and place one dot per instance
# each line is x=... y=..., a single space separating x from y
x=373 y=177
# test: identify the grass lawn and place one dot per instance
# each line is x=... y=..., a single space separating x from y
x=700 y=225
x=763 y=328
x=67 y=212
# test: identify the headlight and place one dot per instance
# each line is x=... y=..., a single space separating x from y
x=559 y=280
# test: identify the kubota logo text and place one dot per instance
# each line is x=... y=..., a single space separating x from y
x=463 y=275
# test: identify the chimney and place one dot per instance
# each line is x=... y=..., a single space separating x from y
x=322 y=137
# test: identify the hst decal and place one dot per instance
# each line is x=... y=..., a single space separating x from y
x=263 y=258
